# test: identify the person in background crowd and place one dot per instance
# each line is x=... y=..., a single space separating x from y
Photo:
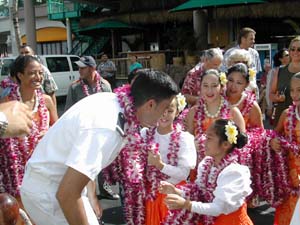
x=16 y=151
x=49 y=86
x=212 y=59
x=86 y=139
x=218 y=196
x=280 y=86
x=262 y=90
x=89 y=82
x=246 y=41
x=15 y=119
x=237 y=56
x=281 y=58
x=135 y=65
x=107 y=69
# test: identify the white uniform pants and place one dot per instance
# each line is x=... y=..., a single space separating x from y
x=296 y=216
x=38 y=196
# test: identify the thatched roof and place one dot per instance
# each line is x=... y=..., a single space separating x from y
x=149 y=17
x=280 y=9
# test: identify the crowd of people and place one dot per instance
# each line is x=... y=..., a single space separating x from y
x=199 y=155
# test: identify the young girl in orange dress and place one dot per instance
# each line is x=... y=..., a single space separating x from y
x=219 y=193
x=172 y=158
x=211 y=105
x=289 y=126
x=14 y=152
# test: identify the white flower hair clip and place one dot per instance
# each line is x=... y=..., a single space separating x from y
x=252 y=74
x=223 y=78
x=181 y=102
x=231 y=132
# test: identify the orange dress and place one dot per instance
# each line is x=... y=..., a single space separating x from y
x=239 y=217
x=156 y=210
x=285 y=211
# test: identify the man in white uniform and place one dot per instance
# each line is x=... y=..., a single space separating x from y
x=81 y=143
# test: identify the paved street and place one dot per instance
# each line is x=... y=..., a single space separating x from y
x=112 y=214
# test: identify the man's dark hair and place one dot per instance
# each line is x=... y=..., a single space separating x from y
x=244 y=33
x=151 y=84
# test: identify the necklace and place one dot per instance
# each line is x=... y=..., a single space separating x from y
x=202 y=190
x=85 y=87
x=35 y=100
x=154 y=175
x=18 y=150
x=218 y=111
x=242 y=98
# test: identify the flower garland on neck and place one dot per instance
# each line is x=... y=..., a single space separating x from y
x=85 y=87
x=19 y=150
x=132 y=161
x=270 y=175
x=202 y=191
x=199 y=117
x=154 y=175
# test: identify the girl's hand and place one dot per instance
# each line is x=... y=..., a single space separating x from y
x=155 y=160
x=166 y=188
x=174 y=201
x=275 y=144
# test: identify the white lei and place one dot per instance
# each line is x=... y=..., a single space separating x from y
x=243 y=96
x=218 y=111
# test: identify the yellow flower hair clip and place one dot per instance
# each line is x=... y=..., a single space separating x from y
x=231 y=132
x=223 y=78
x=181 y=102
x=252 y=74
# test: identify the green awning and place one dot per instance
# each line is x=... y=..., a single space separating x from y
x=198 y=4
x=109 y=24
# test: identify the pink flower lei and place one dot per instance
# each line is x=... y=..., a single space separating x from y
x=271 y=173
x=85 y=87
x=200 y=130
x=154 y=175
x=201 y=191
x=16 y=151
x=130 y=166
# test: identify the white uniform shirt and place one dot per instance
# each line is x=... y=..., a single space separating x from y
x=233 y=186
x=186 y=156
x=84 y=138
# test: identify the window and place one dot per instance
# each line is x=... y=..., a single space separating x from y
x=58 y=64
x=74 y=65
x=5 y=67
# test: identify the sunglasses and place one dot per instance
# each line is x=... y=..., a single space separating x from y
x=295 y=49
x=286 y=55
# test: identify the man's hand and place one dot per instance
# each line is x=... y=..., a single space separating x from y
x=19 y=118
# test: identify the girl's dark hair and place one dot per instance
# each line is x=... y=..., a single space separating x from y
x=211 y=71
x=279 y=55
x=241 y=68
x=151 y=84
x=19 y=65
x=219 y=127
